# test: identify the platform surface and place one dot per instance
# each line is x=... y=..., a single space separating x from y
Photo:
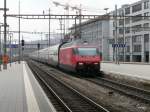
x=135 y=70
x=20 y=92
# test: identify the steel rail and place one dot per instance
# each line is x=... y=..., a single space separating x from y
x=88 y=100
x=128 y=90
x=32 y=67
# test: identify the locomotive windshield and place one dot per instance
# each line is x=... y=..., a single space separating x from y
x=86 y=51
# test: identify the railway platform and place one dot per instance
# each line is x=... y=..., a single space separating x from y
x=133 y=70
x=20 y=92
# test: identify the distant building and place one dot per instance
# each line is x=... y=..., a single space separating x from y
x=134 y=32
x=33 y=45
x=95 y=31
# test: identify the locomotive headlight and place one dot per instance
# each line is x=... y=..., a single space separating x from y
x=80 y=63
x=95 y=63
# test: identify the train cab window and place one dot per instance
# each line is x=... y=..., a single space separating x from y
x=86 y=51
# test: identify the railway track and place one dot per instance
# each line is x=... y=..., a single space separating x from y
x=65 y=98
x=134 y=92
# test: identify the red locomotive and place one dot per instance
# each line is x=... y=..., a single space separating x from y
x=73 y=56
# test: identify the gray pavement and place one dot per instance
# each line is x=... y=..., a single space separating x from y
x=12 y=90
x=20 y=92
x=133 y=70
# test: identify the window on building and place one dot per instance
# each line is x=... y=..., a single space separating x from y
x=127 y=30
x=145 y=15
x=146 y=5
x=137 y=48
x=137 y=28
x=137 y=18
x=121 y=31
x=136 y=39
x=127 y=20
x=111 y=41
x=146 y=26
x=146 y=38
x=127 y=39
x=136 y=8
x=121 y=21
x=128 y=49
x=120 y=40
x=127 y=10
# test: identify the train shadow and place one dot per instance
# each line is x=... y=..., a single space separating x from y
x=79 y=74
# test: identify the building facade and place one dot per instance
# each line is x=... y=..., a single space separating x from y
x=97 y=32
x=132 y=30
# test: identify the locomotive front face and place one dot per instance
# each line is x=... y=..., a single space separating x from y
x=87 y=59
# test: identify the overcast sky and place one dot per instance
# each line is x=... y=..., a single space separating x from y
x=37 y=7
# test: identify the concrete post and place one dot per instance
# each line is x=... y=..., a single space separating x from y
x=19 y=46
x=124 y=40
x=131 y=49
x=142 y=50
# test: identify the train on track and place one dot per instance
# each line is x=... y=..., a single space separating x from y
x=72 y=56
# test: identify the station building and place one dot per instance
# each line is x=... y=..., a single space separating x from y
x=95 y=31
x=132 y=29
